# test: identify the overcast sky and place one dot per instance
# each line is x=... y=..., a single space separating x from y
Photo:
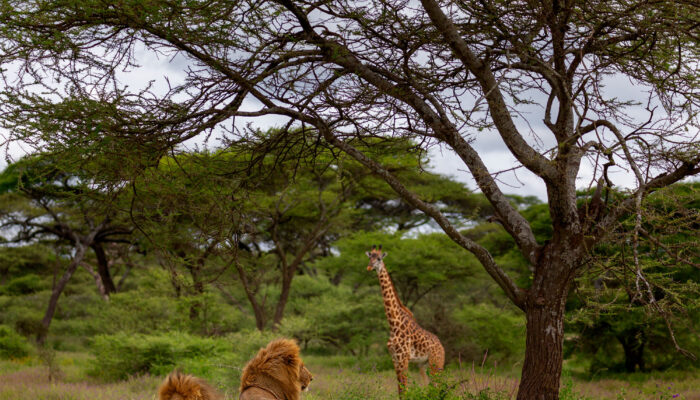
x=488 y=143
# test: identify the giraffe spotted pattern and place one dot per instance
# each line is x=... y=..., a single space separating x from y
x=408 y=341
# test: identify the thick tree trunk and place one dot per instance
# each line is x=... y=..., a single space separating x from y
x=58 y=290
x=543 y=352
x=544 y=309
x=103 y=268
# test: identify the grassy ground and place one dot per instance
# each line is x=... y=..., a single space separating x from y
x=28 y=379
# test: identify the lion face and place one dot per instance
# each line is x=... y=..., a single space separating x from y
x=305 y=377
x=276 y=372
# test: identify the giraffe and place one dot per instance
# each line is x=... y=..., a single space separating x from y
x=408 y=342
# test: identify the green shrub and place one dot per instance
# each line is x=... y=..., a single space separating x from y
x=437 y=390
x=349 y=320
x=213 y=316
x=444 y=388
x=20 y=308
x=29 y=326
x=12 y=345
x=137 y=311
x=26 y=284
x=499 y=331
x=121 y=355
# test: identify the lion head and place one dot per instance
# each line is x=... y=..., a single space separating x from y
x=178 y=386
x=305 y=377
x=276 y=372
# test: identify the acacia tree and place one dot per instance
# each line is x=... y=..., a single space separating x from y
x=39 y=201
x=262 y=222
x=440 y=72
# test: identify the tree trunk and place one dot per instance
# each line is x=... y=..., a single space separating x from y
x=284 y=296
x=98 y=281
x=543 y=352
x=633 y=344
x=125 y=275
x=544 y=310
x=57 y=290
x=103 y=268
x=197 y=286
x=259 y=312
x=258 y=308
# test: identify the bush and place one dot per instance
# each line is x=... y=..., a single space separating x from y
x=12 y=345
x=122 y=355
x=137 y=311
x=501 y=332
x=437 y=390
x=443 y=388
x=23 y=312
x=350 y=321
x=26 y=284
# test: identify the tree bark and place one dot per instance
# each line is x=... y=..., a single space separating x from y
x=198 y=288
x=284 y=297
x=98 y=281
x=543 y=352
x=58 y=290
x=633 y=344
x=258 y=308
x=103 y=268
x=544 y=310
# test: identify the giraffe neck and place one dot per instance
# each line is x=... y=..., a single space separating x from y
x=392 y=304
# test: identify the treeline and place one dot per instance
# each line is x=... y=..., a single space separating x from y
x=231 y=242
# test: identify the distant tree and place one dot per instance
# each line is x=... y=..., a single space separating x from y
x=439 y=72
x=38 y=201
x=263 y=222
x=269 y=218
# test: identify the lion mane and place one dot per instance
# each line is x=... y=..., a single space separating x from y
x=178 y=386
x=275 y=373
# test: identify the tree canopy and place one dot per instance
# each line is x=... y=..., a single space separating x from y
x=437 y=72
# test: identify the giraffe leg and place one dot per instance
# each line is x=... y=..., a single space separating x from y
x=400 y=357
x=401 y=368
x=423 y=375
x=436 y=360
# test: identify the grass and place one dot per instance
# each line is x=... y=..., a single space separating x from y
x=27 y=378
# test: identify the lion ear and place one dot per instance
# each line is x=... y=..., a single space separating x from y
x=289 y=359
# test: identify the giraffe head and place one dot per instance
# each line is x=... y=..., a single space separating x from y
x=376 y=258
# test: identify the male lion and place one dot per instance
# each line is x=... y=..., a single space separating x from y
x=275 y=373
x=186 y=387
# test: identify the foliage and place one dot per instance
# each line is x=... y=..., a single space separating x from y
x=121 y=355
x=30 y=259
x=335 y=315
x=12 y=345
x=345 y=74
x=417 y=265
x=641 y=314
x=26 y=284
x=500 y=332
